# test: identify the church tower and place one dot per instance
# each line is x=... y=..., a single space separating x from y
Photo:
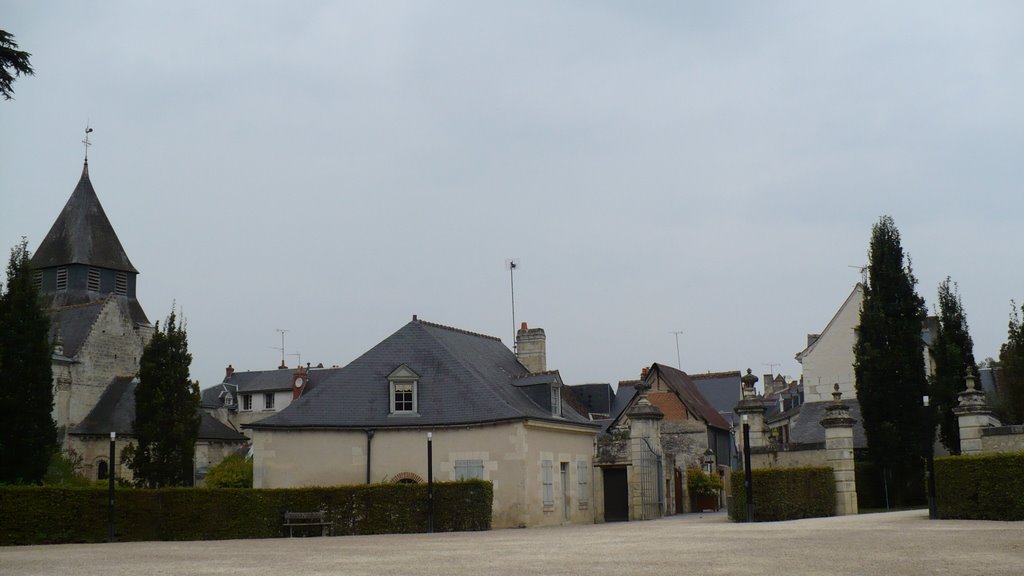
x=88 y=283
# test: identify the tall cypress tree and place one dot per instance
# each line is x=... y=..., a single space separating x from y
x=166 y=411
x=953 y=352
x=28 y=435
x=889 y=367
x=1011 y=370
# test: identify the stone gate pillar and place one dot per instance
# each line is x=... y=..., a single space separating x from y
x=645 y=474
x=973 y=415
x=751 y=411
x=839 y=451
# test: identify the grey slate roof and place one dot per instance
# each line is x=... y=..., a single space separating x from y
x=806 y=427
x=74 y=324
x=464 y=378
x=260 y=381
x=115 y=412
x=720 y=389
x=82 y=234
x=597 y=398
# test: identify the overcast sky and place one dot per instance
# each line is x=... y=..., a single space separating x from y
x=333 y=168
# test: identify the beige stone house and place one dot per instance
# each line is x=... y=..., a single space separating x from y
x=485 y=414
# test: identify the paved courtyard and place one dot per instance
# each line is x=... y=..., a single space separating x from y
x=891 y=543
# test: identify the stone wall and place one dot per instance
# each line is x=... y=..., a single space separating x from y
x=788 y=458
x=1002 y=439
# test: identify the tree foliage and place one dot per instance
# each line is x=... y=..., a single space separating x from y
x=166 y=411
x=1011 y=371
x=235 y=471
x=889 y=366
x=953 y=352
x=13 y=62
x=28 y=435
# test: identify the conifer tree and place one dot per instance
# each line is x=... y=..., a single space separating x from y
x=28 y=435
x=953 y=352
x=1011 y=374
x=889 y=367
x=166 y=411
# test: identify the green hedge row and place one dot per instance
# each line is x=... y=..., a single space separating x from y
x=48 y=515
x=785 y=494
x=988 y=487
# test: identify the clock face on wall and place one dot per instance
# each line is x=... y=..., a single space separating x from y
x=299 y=382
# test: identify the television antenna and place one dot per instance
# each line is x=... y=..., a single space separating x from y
x=281 y=348
x=298 y=355
x=679 y=361
x=863 y=271
x=771 y=367
x=512 y=264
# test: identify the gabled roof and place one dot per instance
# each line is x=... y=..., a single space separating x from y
x=688 y=392
x=855 y=298
x=82 y=234
x=721 y=389
x=115 y=412
x=464 y=378
x=260 y=381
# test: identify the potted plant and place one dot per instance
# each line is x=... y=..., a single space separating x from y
x=704 y=488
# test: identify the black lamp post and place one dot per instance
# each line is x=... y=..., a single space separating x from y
x=430 y=481
x=933 y=512
x=110 y=490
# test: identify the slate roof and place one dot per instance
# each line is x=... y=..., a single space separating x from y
x=464 y=378
x=115 y=412
x=597 y=398
x=806 y=426
x=82 y=234
x=74 y=323
x=688 y=392
x=721 y=390
x=260 y=381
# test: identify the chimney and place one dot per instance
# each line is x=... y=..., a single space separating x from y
x=644 y=372
x=299 y=381
x=531 y=348
x=228 y=372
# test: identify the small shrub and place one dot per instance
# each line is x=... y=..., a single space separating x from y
x=701 y=483
x=65 y=470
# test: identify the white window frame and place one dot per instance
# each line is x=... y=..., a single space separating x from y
x=583 y=483
x=468 y=470
x=229 y=400
x=548 y=483
x=556 y=400
x=268 y=400
x=246 y=402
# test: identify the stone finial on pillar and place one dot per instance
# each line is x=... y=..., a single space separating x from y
x=751 y=411
x=839 y=451
x=973 y=414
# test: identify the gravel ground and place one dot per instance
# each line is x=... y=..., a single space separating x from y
x=890 y=543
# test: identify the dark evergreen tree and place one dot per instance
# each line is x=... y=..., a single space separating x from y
x=166 y=411
x=953 y=352
x=28 y=435
x=13 y=62
x=1011 y=371
x=889 y=368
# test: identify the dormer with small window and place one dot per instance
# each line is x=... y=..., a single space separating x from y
x=556 y=399
x=402 y=385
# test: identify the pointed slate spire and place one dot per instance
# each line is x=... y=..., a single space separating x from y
x=82 y=234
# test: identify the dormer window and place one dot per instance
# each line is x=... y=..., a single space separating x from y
x=556 y=400
x=229 y=400
x=403 y=384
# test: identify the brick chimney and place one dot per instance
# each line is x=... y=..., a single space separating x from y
x=228 y=371
x=300 y=379
x=531 y=348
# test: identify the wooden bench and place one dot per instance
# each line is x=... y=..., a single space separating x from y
x=293 y=519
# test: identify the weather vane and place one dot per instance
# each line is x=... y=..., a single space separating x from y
x=86 y=141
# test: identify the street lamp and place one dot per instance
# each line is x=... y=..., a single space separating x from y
x=933 y=513
x=110 y=490
x=430 y=481
x=709 y=460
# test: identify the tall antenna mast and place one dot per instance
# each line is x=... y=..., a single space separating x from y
x=512 y=264
x=88 y=130
x=299 y=355
x=771 y=367
x=282 y=344
x=679 y=361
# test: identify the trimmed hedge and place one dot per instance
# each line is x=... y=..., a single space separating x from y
x=49 y=515
x=785 y=494
x=986 y=487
